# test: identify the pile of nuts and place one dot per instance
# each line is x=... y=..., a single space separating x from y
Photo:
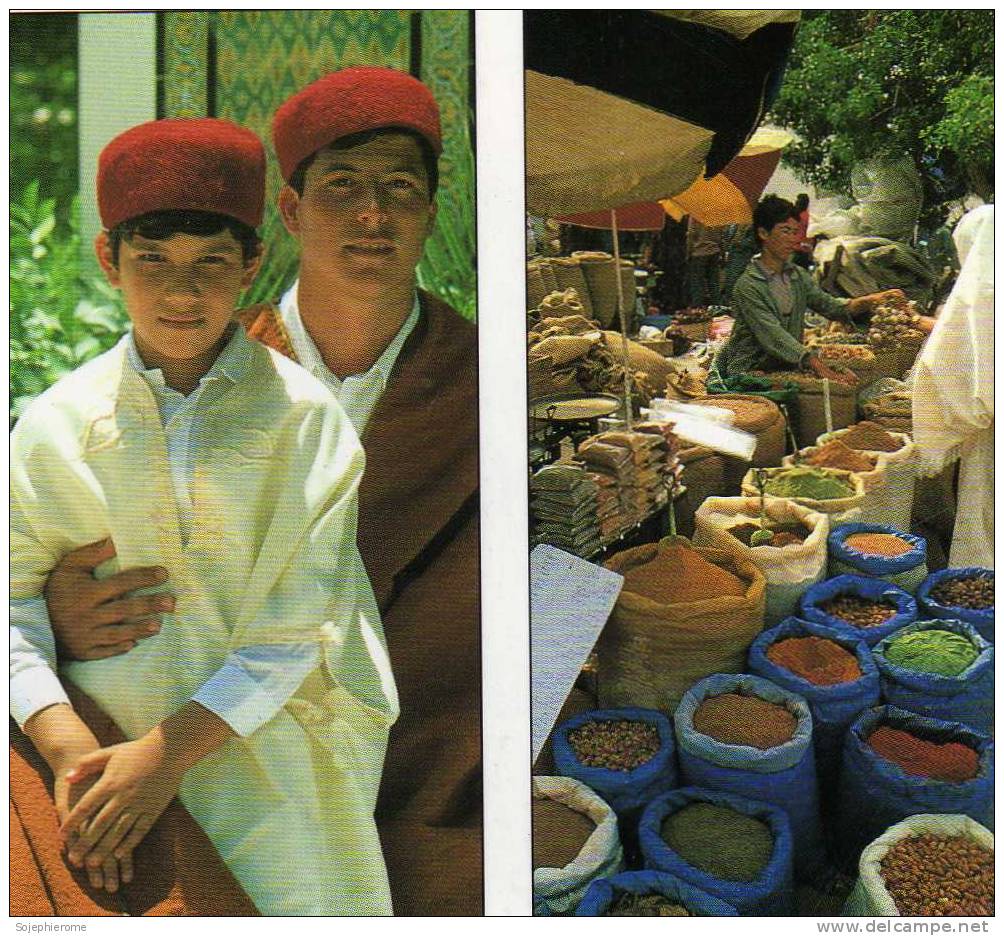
x=894 y=324
x=861 y=612
x=628 y=904
x=615 y=745
x=937 y=875
x=976 y=592
x=846 y=352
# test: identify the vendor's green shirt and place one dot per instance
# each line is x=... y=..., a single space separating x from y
x=765 y=337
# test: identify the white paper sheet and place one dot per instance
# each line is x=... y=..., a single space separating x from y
x=570 y=601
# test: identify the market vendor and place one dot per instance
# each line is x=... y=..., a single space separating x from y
x=770 y=299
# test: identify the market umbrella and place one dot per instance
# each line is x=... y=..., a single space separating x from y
x=633 y=105
x=730 y=196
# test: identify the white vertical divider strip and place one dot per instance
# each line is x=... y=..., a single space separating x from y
x=504 y=525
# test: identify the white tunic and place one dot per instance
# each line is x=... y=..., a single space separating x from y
x=271 y=559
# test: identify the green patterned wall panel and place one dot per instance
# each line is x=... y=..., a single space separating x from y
x=185 y=64
x=446 y=59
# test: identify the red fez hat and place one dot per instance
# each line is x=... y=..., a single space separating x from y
x=189 y=165
x=350 y=101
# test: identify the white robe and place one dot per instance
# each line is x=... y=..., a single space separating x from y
x=953 y=392
x=272 y=559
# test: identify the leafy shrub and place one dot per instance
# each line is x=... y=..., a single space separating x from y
x=58 y=318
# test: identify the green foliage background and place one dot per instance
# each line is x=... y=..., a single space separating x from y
x=865 y=83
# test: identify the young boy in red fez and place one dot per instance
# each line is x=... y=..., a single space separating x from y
x=264 y=698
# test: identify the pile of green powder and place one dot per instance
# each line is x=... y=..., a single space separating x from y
x=719 y=841
x=807 y=482
x=932 y=651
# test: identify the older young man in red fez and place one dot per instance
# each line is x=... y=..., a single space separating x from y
x=358 y=150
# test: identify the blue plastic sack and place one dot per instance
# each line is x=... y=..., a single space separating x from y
x=602 y=893
x=626 y=791
x=875 y=793
x=907 y=571
x=864 y=587
x=769 y=895
x=833 y=708
x=982 y=620
x=966 y=698
x=784 y=775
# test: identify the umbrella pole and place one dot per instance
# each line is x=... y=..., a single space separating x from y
x=622 y=315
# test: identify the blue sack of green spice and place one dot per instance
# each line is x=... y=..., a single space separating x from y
x=833 y=707
x=771 y=894
x=967 y=697
x=981 y=618
x=602 y=893
x=876 y=793
x=871 y=589
x=784 y=775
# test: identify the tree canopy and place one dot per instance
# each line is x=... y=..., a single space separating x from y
x=867 y=83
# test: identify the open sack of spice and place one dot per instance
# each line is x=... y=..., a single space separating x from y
x=575 y=841
x=876 y=506
x=839 y=494
x=650 y=893
x=794 y=557
x=927 y=865
x=897 y=763
x=744 y=735
x=965 y=594
x=943 y=669
x=683 y=612
x=866 y=608
x=896 y=454
x=833 y=671
x=626 y=755
x=878 y=551
x=736 y=849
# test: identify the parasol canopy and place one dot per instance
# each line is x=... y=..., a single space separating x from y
x=726 y=198
x=633 y=105
x=730 y=196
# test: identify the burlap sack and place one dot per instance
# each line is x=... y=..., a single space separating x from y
x=759 y=416
x=600 y=272
x=875 y=506
x=810 y=421
x=535 y=289
x=640 y=358
x=788 y=570
x=864 y=366
x=569 y=275
x=703 y=477
x=838 y=509
x=650 y=654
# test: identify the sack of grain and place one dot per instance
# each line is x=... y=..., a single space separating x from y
x=558 y=890
x=788 y=482
x=788 y=570
x=569 y=275
x=769 y=893
x=703 y=477
x=871 y=896
x=759 y=416
x=879 y=551
x=682 y=614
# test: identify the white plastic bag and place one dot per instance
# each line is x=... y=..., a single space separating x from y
x=870 y=897
x=561 y=889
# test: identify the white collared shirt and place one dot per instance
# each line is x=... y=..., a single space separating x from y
x=359 y=393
